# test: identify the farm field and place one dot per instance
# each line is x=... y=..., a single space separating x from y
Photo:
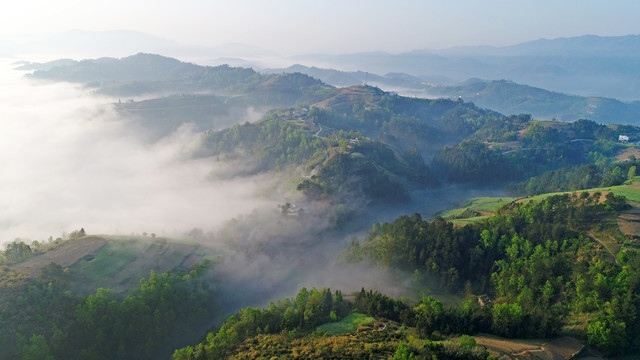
x=477 y=207
x=64 y=255
x=123 y=261
x=116 y=262
x=347 y=325
x=542 y=349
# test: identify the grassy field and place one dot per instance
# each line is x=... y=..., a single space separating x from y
x=347 y=325
x=480 y=204
x=630 y=190
x=476 y=209
x=123 y=261
x=109 y=259
x=66 y=254
x=469 y=220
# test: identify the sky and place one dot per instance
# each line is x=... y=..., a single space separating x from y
x=291 y=27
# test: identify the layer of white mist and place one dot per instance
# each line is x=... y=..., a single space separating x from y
x=68 y=161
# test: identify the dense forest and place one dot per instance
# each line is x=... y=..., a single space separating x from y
x=41 y=318
x=573 y=178
x=533 y=259
x=339 y=163
x=290 y=327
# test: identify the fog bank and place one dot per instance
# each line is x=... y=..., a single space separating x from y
x=69 y=161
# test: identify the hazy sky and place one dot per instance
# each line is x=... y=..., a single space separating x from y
x=291 y=27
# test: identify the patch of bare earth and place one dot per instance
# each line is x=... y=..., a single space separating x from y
x=506 y=347
x=629 y=221
x=625 y=154
x=563 y=348
x=603 y=196
x=64 y=255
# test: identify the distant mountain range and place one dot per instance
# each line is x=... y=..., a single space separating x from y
x=587 y=65
x=504 y=96
x=146 y=73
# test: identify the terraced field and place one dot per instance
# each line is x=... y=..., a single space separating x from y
x=64 y=255
x=117 y=262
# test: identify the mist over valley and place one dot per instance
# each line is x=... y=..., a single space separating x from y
x=249 y=190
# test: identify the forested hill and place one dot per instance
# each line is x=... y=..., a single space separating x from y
x=512 y=98
x=334 y=163
x=488 y=147
x=541 y=267
x=402 y=121
x=505 y=96
x=154 y=74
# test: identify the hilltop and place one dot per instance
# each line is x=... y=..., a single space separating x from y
x=504 y=96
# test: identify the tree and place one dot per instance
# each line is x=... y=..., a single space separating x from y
x=608 y=336
x=37 y=349
x=508 y=319
x=632 y=172
x=428 y=315
x=403 y=353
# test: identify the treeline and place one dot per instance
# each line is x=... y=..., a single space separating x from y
x=533 y=260
x=18 y=250
x=272 y=142
x=288 y=325
x=41 y=319
x=473 y=161
x=575 y=178
x=152 y=74
x=502 y=129
x=540 y=148
x=402 y=121
x=372 y=170
x=307 y=310
x=365 y=167
x=289 y=89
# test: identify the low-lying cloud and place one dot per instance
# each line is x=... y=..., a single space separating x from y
x=70 y=161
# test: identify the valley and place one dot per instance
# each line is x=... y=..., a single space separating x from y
x=374 y=223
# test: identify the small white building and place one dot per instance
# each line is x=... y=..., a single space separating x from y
x=623 y=139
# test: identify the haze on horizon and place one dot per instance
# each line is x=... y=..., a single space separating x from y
x=296 y=27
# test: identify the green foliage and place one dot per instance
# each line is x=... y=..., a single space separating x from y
x=15 y=252
x=347 y=325
x=376 y=304
x=467 y=341
x=272 y=142
x=37 y=349
x=402 y=121
x=309 y=309
x=508 y=320
x=530 y=258
x=143 y=325
x=473 y=162
x=403 y=353
x=574 y=178
x=631 y=173
x=608 y=336
x=249 y=334
x=498 y=129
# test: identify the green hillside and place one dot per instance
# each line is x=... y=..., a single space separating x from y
x=143 y=297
